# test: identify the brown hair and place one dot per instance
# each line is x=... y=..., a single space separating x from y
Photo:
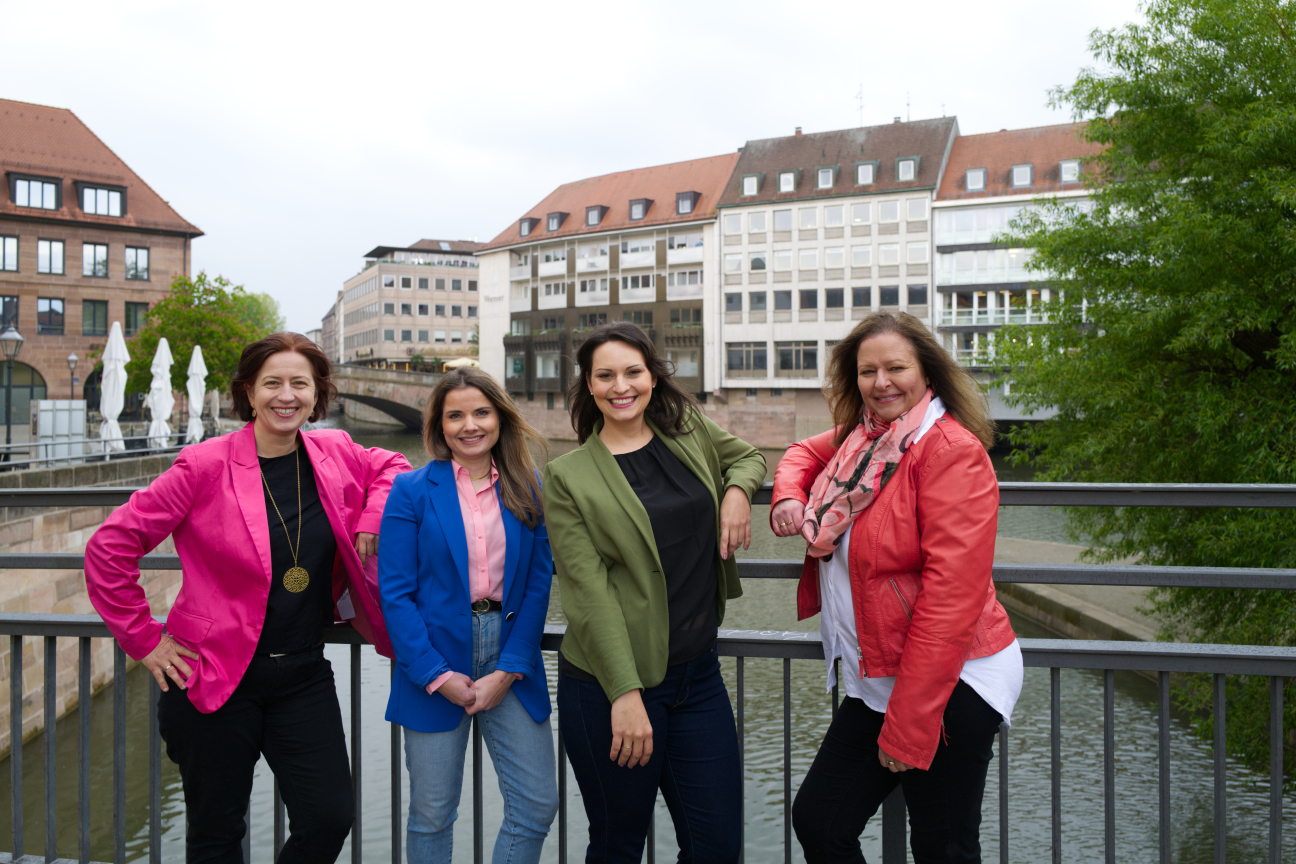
x=962 y=395
x=668 y=407
x=519 y=483
x=254 y=357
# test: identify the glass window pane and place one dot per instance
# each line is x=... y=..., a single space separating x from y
x=20 y=193
x=50 y=196
x=905 y=170
x=733 y=223
x=757 y=261
x=864 y=175
x=834 y=257
x=861 y=214
x=825 y=178
x=749 y=185
x=101 y=202
x=861 y=256
x=782 y=220
x=809 y=217
x=809 y=259
x=756 y=222
x=733 y=302
x=834 y=216
x=42 y=256
x=917 y=208
x=889 y=211
x=756 y=301
x=787 y=182
x=88 y=200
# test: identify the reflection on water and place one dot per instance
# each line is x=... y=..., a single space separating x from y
x=766 y=604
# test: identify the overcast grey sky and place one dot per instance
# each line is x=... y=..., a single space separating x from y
x=299 y=136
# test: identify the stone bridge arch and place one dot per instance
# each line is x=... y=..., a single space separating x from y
x=400 y=395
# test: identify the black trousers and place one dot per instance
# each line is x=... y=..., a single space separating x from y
x=286 y=709
x=846 y=785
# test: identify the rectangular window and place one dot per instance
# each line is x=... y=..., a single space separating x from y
x=592 y=216
x=519 y=327
x=787 y=181
x=683 y=278
x=825 y=178
x=422 y=308
x=49 y=316
x=1022 y=175
x=641 y=319
x=889 y=253
x=685 y=362
x=439 y=336
x=756 y=222
x=440 y=310
x=733 y=263
x=1070 y=171
x=559 y=254
x=423 y=286
x=889 y=295
x=861 y=214
x=809 y=217
x=422 y=335
x=733 y=223
x=756 y=301
x=389 y=281
x=36 y=193
x=916 y=253
x=472 y=311
x=746 y=356
x=94 y=259
x=9 y=253
x=917 y=295
x=407 y=308
x=861 y=256
x=407 y=283
x=389 y=335
x=407 y=335
x=782 y=220
x=456 y=311
x=136 y=317
x=861 y=298
x=916 y=209
x=440 y=284
x=835 y=257
x=94 y=317
x=783 y=259
x=456 y=284
x=750 y=185
x=554 y=222
x=833 y=298
x=389 y=308
x=514 y=367
x=974 y=179
x=864 y=175
x=889 y=211
x=101 y=202
x=733 y=302
x=782 y=300
x=687 y=317
x=906 y=169
x=137 y=263
x=8 y=313
x=49 y=256
x=809 y=259
x=797 y=356
x=684 y=205
x=756 y=261
x=810 y=299
x=834 y=217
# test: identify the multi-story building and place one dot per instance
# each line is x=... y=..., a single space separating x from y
x=421 y=299
x=328 y=332
x=83 y=242
x=980 y=284
x=818 y=230
x=636 y=246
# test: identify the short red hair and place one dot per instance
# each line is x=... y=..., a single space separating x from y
x=255 y=356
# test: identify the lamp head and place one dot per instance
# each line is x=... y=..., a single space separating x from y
x=10 y=342
x=72 y=362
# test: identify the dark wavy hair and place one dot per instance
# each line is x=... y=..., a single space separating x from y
x=669 y=407
x=254 y=357
x=519 y=486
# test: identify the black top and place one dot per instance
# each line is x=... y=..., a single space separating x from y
x=683 y=521
x=296 y=621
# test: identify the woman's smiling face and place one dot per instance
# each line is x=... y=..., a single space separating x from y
x=470 y=425
x=284 y=393
x=620 y=381
x=890 y=378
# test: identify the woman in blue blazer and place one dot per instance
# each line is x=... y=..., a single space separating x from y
x=464 y=573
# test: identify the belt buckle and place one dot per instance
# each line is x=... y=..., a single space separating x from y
x=481 y=606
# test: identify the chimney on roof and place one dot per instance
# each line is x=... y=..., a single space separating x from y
x=798 y=132
x=897 y=120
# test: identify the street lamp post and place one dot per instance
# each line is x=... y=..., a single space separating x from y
x=72 y=364
x=11 y=342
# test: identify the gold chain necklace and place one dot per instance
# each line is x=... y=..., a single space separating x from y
x=295 y=578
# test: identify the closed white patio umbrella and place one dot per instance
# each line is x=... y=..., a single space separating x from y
x=161 y=400
x=112 y=389
x=196 y=388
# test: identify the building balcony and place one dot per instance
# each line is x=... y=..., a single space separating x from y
x=987 y=276
x=520 y=302
x=554 y=301
x=552 y=268
x=592 y=265
x=685 y=255
x=523 y=272
x=592 y=298
x=989 y=317
x=638 y=295
x=630 y=260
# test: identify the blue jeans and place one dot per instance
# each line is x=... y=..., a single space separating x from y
x=521 y=751
x=694 y=763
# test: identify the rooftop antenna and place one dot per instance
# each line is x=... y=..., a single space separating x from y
x=906 y=106
x=859 y=97
x=942 y=109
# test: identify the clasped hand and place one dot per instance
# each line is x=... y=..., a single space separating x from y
x=473 y=696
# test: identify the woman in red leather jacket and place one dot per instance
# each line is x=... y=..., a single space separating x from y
x=898 y=506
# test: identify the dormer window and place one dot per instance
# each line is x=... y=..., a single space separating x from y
x=907 y=169
x=1069 y=170
x=526 y=226
x=555 y=221
x=445 y=247
x=33 y=192
x=751 y=184
x=787 y=181
x=865 y=173
x=686 y=202
x=975 y=179
x=102 y=200
x=1023 y=175
x=639 y=208
x=594 y=215
x=826 y=178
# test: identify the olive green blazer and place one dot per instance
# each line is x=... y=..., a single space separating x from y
x=609 y=575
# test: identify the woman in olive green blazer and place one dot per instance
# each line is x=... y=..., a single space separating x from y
x=644 y=518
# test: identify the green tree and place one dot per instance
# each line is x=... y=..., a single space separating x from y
x=261 y=311
x=1170 y=355
x=212 y=313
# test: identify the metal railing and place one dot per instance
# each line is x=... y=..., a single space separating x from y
x=1276 y=663
x=91 y=449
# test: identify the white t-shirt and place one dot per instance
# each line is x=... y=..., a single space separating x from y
x=997 y=679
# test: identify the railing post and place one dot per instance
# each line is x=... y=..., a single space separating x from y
x=1055 y=758
x=357 y=836
x=1003 y=793
x=1109 y=765
x=742 y=769
x=119 y=754
x=1275 y=768
x=83 y=750
x=1221 y=779
x=1163 y=765
x=155 y=774
x=787 y=760
x=16 y=741
x=51 y=755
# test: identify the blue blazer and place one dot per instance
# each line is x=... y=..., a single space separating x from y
x=423 y=583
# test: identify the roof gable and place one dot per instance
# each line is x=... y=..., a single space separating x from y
x=1043 y=147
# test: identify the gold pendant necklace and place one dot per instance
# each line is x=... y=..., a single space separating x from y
x=295 y=578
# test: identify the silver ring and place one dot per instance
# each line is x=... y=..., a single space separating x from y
x=168 y=666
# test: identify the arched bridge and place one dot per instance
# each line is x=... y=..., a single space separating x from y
x=400 y=395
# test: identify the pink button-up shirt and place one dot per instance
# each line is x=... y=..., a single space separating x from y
x=484 y=531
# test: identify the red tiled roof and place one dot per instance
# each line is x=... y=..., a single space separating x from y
x=1043 y=146
x=53 y=142
x=659 y=184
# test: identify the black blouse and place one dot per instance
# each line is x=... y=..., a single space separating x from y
x=296 y=621
x=683 y=520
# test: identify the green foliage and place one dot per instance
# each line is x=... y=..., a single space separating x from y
x=212 y=313
x=1171 y=356
x=261 y=311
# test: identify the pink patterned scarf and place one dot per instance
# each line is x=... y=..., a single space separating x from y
x=856 y=474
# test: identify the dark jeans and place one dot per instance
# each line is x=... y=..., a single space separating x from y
x=694 y=762
x=287 y=709
x=846 y=785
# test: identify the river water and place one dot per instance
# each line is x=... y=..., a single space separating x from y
x=766 y=604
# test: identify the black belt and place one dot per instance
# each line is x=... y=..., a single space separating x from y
x=485 y=605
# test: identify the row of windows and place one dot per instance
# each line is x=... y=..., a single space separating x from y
x=834 y=257
x=1021 y=176
x=834 y=298
x=834 y=216
x=792 y=356
x=359 y=340
x=637 y=208
x=50 y=316
x=826 y=177
x=94 y=259
x=438 y=309
x=437 y=336
x=688 y=317
x=406 y=283
x=46 y=193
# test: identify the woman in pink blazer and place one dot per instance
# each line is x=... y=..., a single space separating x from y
x=277 y=534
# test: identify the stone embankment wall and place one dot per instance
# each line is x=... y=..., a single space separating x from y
x=64 y=529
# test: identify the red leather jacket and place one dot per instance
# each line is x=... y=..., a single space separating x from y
x=920 y=565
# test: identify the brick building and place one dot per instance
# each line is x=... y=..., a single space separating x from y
x=84 y=241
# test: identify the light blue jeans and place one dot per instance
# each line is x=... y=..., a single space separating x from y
x=521 y=751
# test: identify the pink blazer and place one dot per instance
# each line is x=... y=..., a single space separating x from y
x=211 y=501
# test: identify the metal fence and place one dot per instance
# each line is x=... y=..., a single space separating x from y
x=1276 y=663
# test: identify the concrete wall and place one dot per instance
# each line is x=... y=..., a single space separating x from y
x=493 y=312
x=52 y=529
